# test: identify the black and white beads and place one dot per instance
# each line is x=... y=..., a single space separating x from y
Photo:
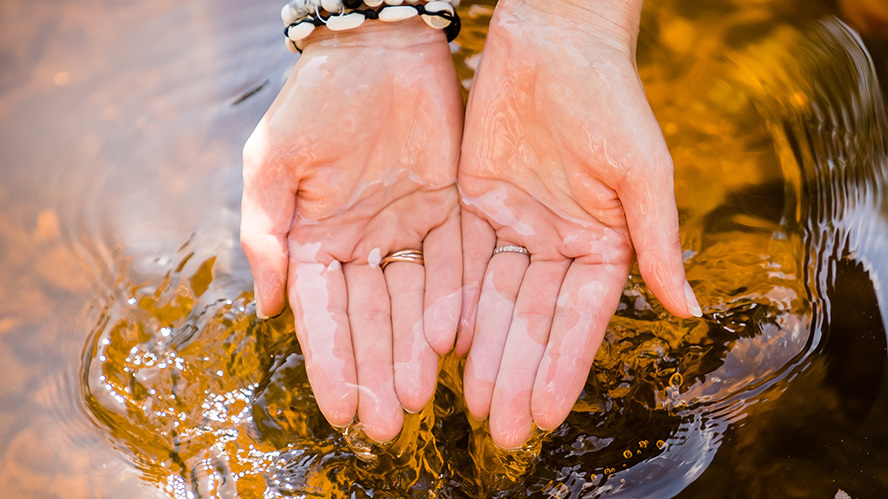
x=301 y=17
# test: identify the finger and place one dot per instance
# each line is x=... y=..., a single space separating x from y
x=649 y=202
x=442 y=253
x=588 y=299
x=267 y=209
x=511 y=423
x=369 y=316
x=495 y=306
x=318 y=299
x=416 y=364
x=478 y=241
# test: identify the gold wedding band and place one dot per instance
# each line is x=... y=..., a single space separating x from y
x=511 y=248
x=407 y=255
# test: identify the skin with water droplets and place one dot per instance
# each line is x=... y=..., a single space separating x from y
x=562 y=155
x=320 y=210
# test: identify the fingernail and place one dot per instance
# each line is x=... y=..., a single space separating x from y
x=259 y=313
x=693 y=304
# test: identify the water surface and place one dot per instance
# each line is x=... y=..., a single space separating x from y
x=135 y=366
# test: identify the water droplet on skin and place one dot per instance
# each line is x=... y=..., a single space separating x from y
x=443 y=309
x=494 y=207
x=374 y=258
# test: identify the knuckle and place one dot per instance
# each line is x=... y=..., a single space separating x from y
x=409 y=292
x=374 y=315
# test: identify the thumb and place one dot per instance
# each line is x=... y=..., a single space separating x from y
x=267 y=211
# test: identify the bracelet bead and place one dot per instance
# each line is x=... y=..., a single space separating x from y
x=288 y=15
x=437 y=22
x=331 y=5
x=395 y=14
x=345 y=21
x=299 y=31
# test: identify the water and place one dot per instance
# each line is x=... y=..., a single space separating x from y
x=134 y=365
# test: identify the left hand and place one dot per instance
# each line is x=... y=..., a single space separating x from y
x=561 y=155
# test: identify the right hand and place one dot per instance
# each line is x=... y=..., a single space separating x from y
x=355 y=159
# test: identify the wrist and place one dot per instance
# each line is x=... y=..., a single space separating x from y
x=610 y=22
x=392 y=30
x=376 y=34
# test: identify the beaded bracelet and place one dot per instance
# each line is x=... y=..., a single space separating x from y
x=436 y=14
x=296 y=10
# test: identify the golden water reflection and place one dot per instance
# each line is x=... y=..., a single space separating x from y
x=135 y=365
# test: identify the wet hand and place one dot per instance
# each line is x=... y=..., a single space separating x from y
x=357 y=159
x=562 y=155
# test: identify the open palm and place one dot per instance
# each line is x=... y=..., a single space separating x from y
x=561 y=155
x=356 y=159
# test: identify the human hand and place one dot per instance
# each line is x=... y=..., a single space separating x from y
x=561 y=155
x=355 y=159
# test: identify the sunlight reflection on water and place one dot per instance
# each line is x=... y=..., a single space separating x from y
x=124 y=141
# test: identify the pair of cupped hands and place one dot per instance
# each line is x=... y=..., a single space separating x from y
x=365 y=152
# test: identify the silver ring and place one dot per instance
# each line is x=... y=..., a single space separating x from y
x=511 y=248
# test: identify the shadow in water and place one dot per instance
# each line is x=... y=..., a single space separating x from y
x=822 y=433
x=827 y=432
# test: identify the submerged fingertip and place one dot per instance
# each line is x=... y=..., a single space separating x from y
x=471 y=415
x=340 y=420
x=477 y=411
x=258 y=301
x=341 y=427
x=546 y=422
x=693 y=305
x=413 y=399
x=544 y=409
x=513 y=440
x=385 y=433
x=477 y=400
